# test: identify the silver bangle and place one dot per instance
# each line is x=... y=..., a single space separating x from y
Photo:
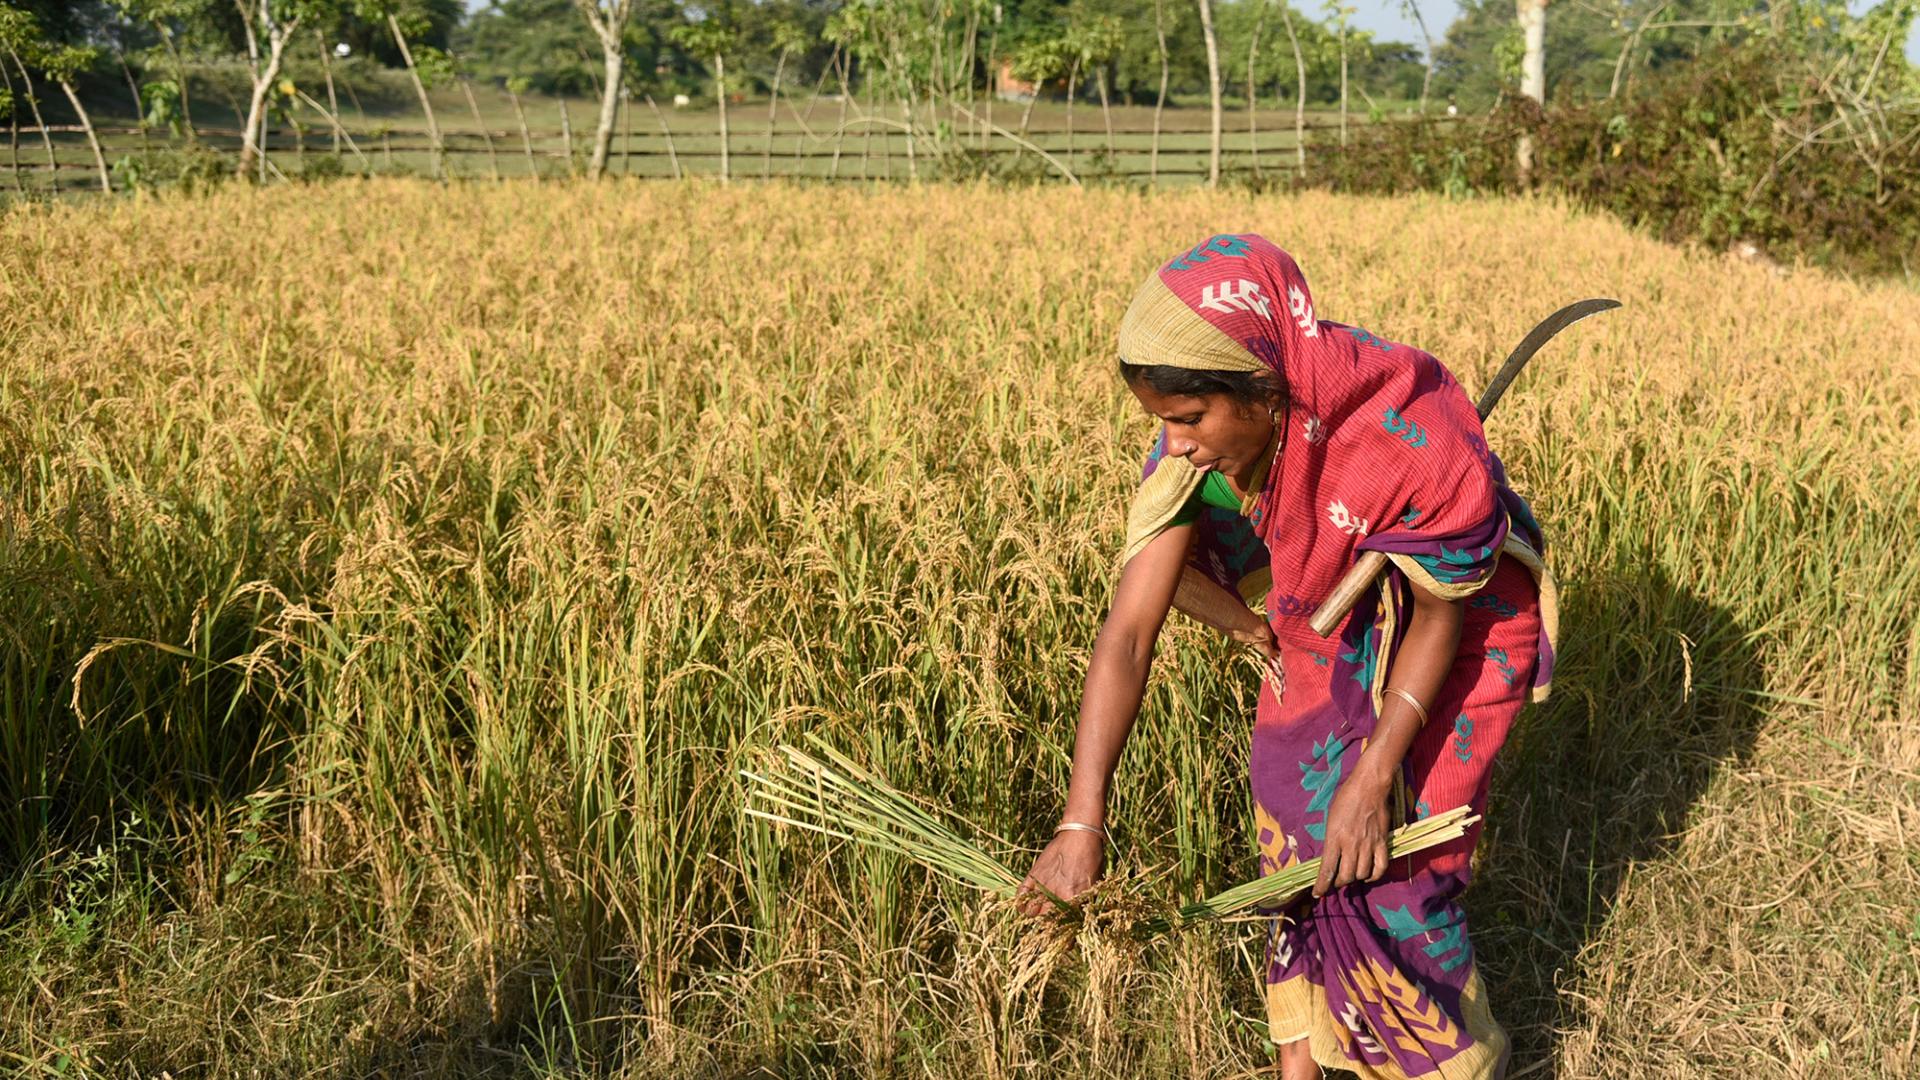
x=1077 y=826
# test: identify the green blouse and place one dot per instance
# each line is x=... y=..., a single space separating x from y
x=1213 y=491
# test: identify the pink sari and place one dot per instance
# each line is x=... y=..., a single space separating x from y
x=1382 y=451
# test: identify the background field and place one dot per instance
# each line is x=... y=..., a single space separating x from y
x=393 y=577
x=815 y=137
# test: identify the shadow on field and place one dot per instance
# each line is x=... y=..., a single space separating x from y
x=1649 y=701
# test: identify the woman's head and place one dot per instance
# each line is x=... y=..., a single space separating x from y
x=1215 y=419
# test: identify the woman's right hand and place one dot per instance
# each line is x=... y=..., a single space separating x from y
x=1068 y=866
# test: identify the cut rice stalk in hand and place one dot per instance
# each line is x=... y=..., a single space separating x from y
x=838 y=797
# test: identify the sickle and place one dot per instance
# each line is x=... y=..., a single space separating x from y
x=1372 y=563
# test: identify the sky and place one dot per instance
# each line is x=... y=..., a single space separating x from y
x=1387 y=19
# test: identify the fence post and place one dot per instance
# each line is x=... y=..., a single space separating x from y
x=566 y=136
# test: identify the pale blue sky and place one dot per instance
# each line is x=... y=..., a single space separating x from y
x=1388 y=20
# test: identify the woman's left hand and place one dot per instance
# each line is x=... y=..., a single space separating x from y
x=1356 y=847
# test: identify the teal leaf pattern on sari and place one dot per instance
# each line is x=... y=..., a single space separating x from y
x=1364 y=657
x=1451 y=566
x=1321 y=776
x=1403 y=924
x=1408 y=431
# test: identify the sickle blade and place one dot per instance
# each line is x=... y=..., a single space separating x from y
x=1541 y=334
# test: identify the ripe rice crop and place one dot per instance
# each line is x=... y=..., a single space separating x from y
x=438 y=556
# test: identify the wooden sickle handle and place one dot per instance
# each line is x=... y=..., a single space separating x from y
x=1341 y=600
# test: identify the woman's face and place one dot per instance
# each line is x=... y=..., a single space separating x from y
x=1213 y=431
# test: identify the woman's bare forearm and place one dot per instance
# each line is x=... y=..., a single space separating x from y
x=1420 y=666
x=1116 y=682
x=1117 y=673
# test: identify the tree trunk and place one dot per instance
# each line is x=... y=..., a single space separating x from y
x=493 y=161
x=1299 y=91
x=526 y=137
x=1343 y=86
x=253 y=140
x=720 y=91
x=1426 y=80
x=993 y=86
x=1532 y=16
x=1073 y=76
x=13 y=132
x=333 y=102
x=1160 y=102
x=179 y=77
x=1106 y=110
x=773 y=109
x=840 y=129
x=1213 y=91
x=33 y=106
x=1253 y=59
x=615 y=61
x=426 y=107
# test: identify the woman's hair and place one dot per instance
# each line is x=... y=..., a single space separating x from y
x=1260 y=388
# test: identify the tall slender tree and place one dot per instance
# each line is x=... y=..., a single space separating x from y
x=1299 y=91
x=1213 y=90
x=269 y=26
x=1532 y=15
x=609 y=19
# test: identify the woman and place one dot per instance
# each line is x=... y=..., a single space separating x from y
x=1289 y=445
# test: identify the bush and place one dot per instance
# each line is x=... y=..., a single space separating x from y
x=1697 y=155
x=191 y=167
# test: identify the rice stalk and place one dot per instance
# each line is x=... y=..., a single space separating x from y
x=849 y=802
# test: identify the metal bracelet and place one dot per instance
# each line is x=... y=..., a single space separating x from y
x=1077 y=826
x=1411 y=700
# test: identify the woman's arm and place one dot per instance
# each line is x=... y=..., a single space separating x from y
x=1116 y=681
x=1357 y=825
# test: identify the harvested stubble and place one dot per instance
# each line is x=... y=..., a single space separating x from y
x=839 y=797
x=584 y=495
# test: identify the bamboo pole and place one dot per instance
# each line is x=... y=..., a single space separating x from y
x=526 y=137
x=333 y=102
x=673 y=157
x=493 y=162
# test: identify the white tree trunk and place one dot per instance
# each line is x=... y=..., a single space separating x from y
x=616 y=60
x=1299 y=91
x=1532 y=15
x=1426 y=80
x=1160 y=102
x=1213 y=91
x=1533 y=67
x=720 y=91
x=1343 y=86
x=253 y=138
x=1253 y=63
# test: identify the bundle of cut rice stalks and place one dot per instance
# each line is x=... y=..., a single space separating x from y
x=836 y=796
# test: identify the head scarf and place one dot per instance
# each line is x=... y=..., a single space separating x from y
x=1383 y=445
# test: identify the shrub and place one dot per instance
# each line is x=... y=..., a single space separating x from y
x=1748 y=143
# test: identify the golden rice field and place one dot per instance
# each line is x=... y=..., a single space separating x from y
x=393 y=578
